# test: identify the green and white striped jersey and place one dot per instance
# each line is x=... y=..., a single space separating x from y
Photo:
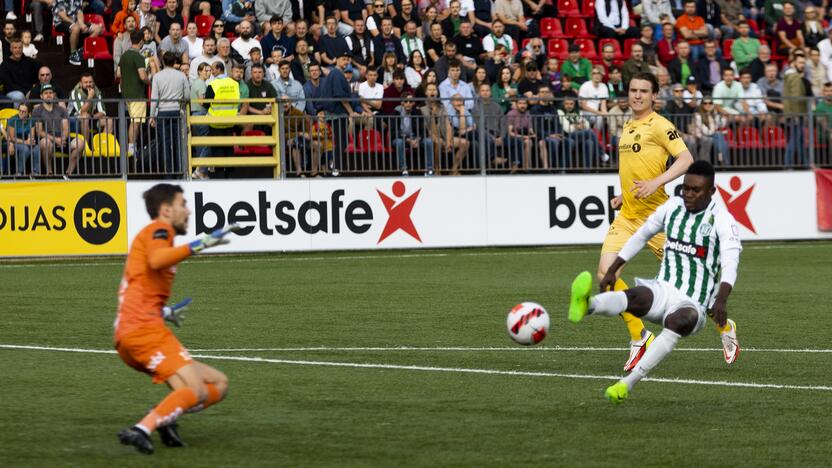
x=702 y=249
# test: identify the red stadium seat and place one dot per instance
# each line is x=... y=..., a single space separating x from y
x=204 y=23
x=255 y=150
x=774 y=137
x=726 y=49
x=96 y=48
x=753 y=25
x=98 y=19
x=616 y=46
x=525 y=43
x=568 y=8
x=576 y=27
x=746 y=138
x=558 y=48
x=550 y=28
x=587 y=48
x=368 y=141
x=588 y=9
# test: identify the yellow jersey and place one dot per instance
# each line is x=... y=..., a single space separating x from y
x=643 y=150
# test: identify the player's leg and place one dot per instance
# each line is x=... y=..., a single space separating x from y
x=637 y=300
x=215 y=383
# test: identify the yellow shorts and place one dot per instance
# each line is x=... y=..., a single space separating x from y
x=138 y=111
x=622 y=229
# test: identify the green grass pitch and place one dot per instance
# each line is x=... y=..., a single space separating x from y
x=63 y=408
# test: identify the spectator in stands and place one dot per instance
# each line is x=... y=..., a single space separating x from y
x=772 y=88
x=301 y=32
x=497 y=36
x=576 y=128
x=296 y=133
x=594 y=95
x=453 y=20
x=530 y=84
x=726 y=93
x=128 y=10
x=503 y=91
x=147 y=19
x=410 y=40
x=373 y=20
x=86 y=107
x=480 y=76
x=430 y=17
x=37 y=17
x=510 y=12
x=405 y=14
x=198 y=88
x=323 y=143
x=551 y=73
x=370 y=94
x=22 y=142
x=794 y=107
x=816 y=73
x=535 y=51
x=692 y=95
x=29 y=49
x=208 y=56
x=68 y=18
x=388 y=66
x=681 y=114
x=312 y=89
x=301 y=62
x=665 y=85
x=408 y=131
x=666 y=46
x=492 y=126
x=745 y=48
x=648 y=46
x=234 y=12
x=469 y=46
x=615 y=84
x=613 y=19
x=732 y=16
x=351 y=10
x=265 y=10
x=751 y=105
x=388 y=42
x=521 y=130
x=18 y=73
x=789 y=32
x=122 y=42
x=174 y=44
x=681 y=67
x=217 y=30
x=553 y=147
x=607 y=59
x=578 y=68
x=708 y=70
x=331 y=46
x=823 y=111
x=361 y=44
x=453 y=85
x=462 y=125
x=148 y=51
x=565 y=90
x=9 y=32
x=813 y=30
x=709 y=130
x=759 y=64
x=619 y=114
x=193 y=41
x=653 y=10
x=635 y=64
x=52 y=128
x=258 y=87
x=276 y=38
x=482 y=19
x=711 y=12
x=415 y=70
x=134 y=80
x=825 y=48
x=692 y=28
x=166 y=17
x=441 y=65
x=394 y=92
x=45 y=77
x=336 y=93
x=222 y=88
x=168 y=88
x=285 y=85
x=433 y=44
x=246 y=41
x=772 y=11
x=224 y=53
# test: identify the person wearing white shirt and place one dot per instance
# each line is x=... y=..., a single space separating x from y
x=246 y=41
x=825 y=48
x=371 y=92
x=410 y=41
x=750 y=103
x=594 y=95
x=194 y=42
x=498 y=36
x=614 y=19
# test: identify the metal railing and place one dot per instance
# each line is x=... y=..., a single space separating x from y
x=123 y=144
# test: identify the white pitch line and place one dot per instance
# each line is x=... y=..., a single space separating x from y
x=560 y=250
x=497 y=349
x=459 y=370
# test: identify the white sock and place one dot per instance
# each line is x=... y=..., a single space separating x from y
x=608 y=303
x=143 y=429
x=658 y=350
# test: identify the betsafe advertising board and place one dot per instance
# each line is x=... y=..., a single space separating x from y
x=416 y=212
x=63 y=218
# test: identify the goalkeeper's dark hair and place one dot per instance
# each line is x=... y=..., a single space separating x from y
x=158 y=195
x=704 y=169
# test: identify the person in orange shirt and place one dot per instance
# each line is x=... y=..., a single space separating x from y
x=693 y=29
x=129 y=9
x=141 y=338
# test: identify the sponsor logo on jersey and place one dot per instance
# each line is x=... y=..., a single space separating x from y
x=685 y=248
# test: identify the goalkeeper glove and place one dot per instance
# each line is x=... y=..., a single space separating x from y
x=176 y=313
x=215 y=238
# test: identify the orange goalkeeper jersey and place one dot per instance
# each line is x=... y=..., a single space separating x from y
x=145 y=289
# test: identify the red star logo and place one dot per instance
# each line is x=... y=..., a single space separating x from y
x=737 y=204
x=399 y=213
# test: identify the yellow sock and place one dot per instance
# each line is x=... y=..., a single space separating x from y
x=724 y=329
x=634 y=324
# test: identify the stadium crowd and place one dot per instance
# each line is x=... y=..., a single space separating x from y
x=541 y=83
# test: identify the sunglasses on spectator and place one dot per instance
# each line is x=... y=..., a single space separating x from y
x=381 y=5
x=707 y=103
x=218 y=25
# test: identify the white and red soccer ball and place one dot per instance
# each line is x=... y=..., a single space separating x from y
x=527 y=323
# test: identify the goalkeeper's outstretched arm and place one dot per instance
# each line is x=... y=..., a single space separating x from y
x=165 y=257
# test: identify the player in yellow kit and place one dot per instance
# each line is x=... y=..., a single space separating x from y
x=646 y=142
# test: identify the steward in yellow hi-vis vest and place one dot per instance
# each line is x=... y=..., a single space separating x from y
x=223 y=88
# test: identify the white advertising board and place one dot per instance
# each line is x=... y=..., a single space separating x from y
x=335 y=214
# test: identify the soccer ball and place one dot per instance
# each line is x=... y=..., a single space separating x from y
x=527 y=323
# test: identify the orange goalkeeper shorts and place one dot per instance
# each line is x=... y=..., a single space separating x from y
x=155 y=351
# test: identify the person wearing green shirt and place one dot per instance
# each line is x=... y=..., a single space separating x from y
x=577 y=68
x=745 y=48
x=823 y=114
x=773 y=12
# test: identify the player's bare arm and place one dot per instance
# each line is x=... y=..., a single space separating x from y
x=719 y=311
x=645 y=188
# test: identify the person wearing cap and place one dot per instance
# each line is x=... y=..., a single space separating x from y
x=408 y=131
x=577 y=68
x=52 y=129
x=530 y=84
x=336 y=96
x=691 y=94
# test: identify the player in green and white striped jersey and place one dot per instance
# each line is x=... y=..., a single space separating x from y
x=701 y=256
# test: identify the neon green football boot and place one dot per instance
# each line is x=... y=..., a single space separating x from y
x=579 y=299
x=617 y=393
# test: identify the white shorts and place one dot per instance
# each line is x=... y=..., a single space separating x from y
x=666 y=300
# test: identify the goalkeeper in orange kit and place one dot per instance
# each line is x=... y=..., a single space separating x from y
x=141 y=338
